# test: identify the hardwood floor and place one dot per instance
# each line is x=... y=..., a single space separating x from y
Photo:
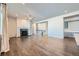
x=42 y=46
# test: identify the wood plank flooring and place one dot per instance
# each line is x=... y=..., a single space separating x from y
x=42 y=46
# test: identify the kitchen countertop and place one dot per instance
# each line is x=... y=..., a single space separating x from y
x=67 y=30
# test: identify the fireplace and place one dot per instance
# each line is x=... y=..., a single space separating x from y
x=23 y=32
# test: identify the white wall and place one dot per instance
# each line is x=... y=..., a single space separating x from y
x=55 y=27
x=12 y=26
x=22 y=23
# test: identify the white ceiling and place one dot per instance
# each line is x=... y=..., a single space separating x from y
x=41 y=11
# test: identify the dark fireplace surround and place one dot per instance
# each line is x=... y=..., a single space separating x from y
x=23 y=32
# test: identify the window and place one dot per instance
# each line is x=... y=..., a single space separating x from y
x=66 y=25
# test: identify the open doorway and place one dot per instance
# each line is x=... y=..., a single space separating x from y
x=42 y=28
